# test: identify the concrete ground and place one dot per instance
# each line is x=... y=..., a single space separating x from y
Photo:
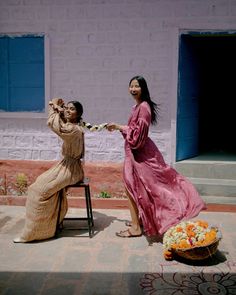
x=105 y=264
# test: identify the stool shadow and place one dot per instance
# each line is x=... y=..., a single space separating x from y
x=78 y=228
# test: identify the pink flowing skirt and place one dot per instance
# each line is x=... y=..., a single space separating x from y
x=163 y=196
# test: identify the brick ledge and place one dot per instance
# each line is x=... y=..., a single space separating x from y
x=73 y=202
x=111 y=203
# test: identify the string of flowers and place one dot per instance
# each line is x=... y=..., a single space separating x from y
x=95 y=127
x=60 y=109
x=187 y=235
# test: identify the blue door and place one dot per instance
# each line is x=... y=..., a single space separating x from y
x=188 y=105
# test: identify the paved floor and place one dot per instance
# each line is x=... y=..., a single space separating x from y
x=105 y=264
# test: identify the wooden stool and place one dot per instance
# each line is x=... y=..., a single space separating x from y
x=82 y=184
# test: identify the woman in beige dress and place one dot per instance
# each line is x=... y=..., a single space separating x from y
x=42 y=205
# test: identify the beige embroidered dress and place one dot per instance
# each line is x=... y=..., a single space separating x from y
x=42 y=203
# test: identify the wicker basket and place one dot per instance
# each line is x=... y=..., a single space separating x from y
x=198 y=252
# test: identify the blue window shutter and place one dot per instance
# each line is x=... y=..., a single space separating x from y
x=26 y=74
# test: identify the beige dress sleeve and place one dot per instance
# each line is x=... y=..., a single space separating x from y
x=71 y=134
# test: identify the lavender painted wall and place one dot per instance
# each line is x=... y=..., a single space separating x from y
x=93 y=49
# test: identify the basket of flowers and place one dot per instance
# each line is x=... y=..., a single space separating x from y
x=195 y=240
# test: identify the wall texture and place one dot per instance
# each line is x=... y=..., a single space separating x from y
x=94 y=48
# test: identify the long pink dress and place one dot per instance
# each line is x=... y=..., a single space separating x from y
x=162 y=195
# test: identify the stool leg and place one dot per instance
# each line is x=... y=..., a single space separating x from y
x=90 y=204
x=59 y=213
x=88 y=211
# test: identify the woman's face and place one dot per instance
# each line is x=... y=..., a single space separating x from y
x=135 y=90
x=70 y=113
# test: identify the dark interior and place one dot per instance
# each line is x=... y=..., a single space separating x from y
x=216 y=57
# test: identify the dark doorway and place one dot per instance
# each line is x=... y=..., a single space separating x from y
x=213 y=62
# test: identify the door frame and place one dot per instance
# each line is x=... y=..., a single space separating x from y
x=175 y=38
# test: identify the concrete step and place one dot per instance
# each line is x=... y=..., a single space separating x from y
x=207 y=169
x=214 y=180
x=219 y=200
x=215 y=187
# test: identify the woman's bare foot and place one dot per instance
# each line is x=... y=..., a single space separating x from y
x=129 y=233
x=128 y=223
x=19 y=240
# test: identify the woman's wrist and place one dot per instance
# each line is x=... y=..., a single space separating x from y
x=56 y=107
x=120 y=127
x=57 y=101
x=114 y=126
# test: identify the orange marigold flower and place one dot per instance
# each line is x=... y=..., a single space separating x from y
x=183 y=244
x=189 y=227
x=200 y=243
x=191 y=234
x=210 y=236
x=202 y=223
x=175 y=246
x=168 y=255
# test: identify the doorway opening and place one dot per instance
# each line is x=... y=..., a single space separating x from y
x=206 y=120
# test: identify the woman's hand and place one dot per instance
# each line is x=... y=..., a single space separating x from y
x=57 y=104
x=60 y=102
x=113 y=126
x=57 y=101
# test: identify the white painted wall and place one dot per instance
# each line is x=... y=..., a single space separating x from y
x=94 y=48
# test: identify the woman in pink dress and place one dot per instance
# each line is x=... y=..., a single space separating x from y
x=159 y=197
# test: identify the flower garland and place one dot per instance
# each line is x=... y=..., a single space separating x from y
x=94 y=127
x=187 y=235
x=60 y=109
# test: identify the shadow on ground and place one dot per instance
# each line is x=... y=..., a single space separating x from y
x=192 y=281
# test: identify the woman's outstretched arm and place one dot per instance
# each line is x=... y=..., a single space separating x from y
x=115 y=126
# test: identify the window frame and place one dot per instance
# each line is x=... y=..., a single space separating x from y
x=28 y=115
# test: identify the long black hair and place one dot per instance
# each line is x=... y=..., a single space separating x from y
x=145 y=96
x=79 y=109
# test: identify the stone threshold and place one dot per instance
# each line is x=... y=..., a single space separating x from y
x=105 y=203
